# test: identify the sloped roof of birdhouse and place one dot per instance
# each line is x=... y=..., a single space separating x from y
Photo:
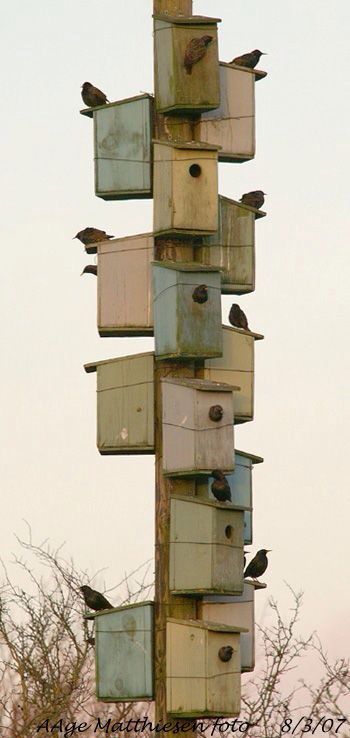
x=210 y=503
x=89 y=112
x=205 y=625
x=193 y=145
x=201 y=384
x=258 y=73
x=257 y=213
x=255 y=459
x=92 y=366
x=185 y=266
x=256 y=336
x=133 y=606
x=192 y=20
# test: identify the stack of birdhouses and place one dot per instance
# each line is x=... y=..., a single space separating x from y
x=182 y=401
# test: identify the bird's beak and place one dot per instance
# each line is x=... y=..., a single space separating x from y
x=82 y=273
x=264 y=53
x=77 y=236
x=268 y=550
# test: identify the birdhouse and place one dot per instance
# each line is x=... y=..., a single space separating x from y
x=187 y=311
x=236 y=367
x=241 y=486
x=125 y=305
x=206 y=547
x=198 y=681
x=235 y=611
x=125 y=399
x=122 y=148
x=232 y=248
x=197 y=426
x=181 y=87
x=232 y=125
x=124 y=653
x=185 y=186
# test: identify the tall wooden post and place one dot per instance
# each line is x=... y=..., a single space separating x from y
x=167 y=605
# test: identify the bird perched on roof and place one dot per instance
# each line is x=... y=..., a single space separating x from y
x=255 y=199
x=220 y=487
x=95 y=600
x=92 y=235
x=92 y=96
x=237 y=317
x=195 y=50
x=225 y=653
x=249 y=60
x=258 y=565
x=90 y=269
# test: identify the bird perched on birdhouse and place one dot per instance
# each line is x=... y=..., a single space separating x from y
x=95 y=600
x=237 y=317
x=220 y=487
x=92 y=96
x=258 y=565
x=90 y=269
x=195 y=51
x=249 y=60
x=255 y=199
x=92 y=235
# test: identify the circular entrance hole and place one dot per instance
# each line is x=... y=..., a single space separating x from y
x=195 y=170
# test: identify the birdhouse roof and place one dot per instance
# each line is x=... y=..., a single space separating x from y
x=201 y=384
x=89 y=112
x=185 y=267
x=92 y=367
x=192 y=20
x=192 y=145
x=256 y=336
x=204 y=624
x=254 y=459
x=111 y=610
x=258 y=73
x=210 y=503
x=257 y=213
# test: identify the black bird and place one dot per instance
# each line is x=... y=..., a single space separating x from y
x=258 y=565
x=91 y=235
x=255 y=199
x=195 y=50
x=237 y=317
x=200 y=294
x=92 y=96
x=249 y=60
x=225 y=653
x=220 y=487
x=90 y=269
x=95 y=600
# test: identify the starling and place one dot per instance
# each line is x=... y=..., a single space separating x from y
x=92 y=235
x=200 y=294
x=92 y=96
x=225 y=653
x=220 y=487
x=237 y=317
x=254 y=199
x=249 y=60
x=258 y=564
x=90 y=269
x=95 y=600
x=195 y=51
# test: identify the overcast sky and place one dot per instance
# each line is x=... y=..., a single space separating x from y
x=52 y=474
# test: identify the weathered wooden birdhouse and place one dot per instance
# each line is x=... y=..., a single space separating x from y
x=232 y=248
x=232 y=125
x=206 y=547
x=185 y=186
x=124 y=286
x=124 y=653
x=187 y=311
x=180 y=88
x=198 y=682
x=197 y=426
x=236 y=367
x=125 y=399
x=123 y=148
x=241 y=486
x=235 y=611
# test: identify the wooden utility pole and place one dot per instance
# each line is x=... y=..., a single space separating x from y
x=167 y=605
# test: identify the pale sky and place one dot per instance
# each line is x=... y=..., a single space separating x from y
x=52 y=473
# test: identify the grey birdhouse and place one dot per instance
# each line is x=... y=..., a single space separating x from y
x=232 y=125
x=180 y=88
x=236 y=367
x=198 y=682
x=122 y=148
x=197 y=426
x=187 y=311
x=232 y=248
x=241 y=486
x=125 y=404
x=206 y=547
x=185 y=186
x=124 y=653
x=235 y=611
x=125 y=305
